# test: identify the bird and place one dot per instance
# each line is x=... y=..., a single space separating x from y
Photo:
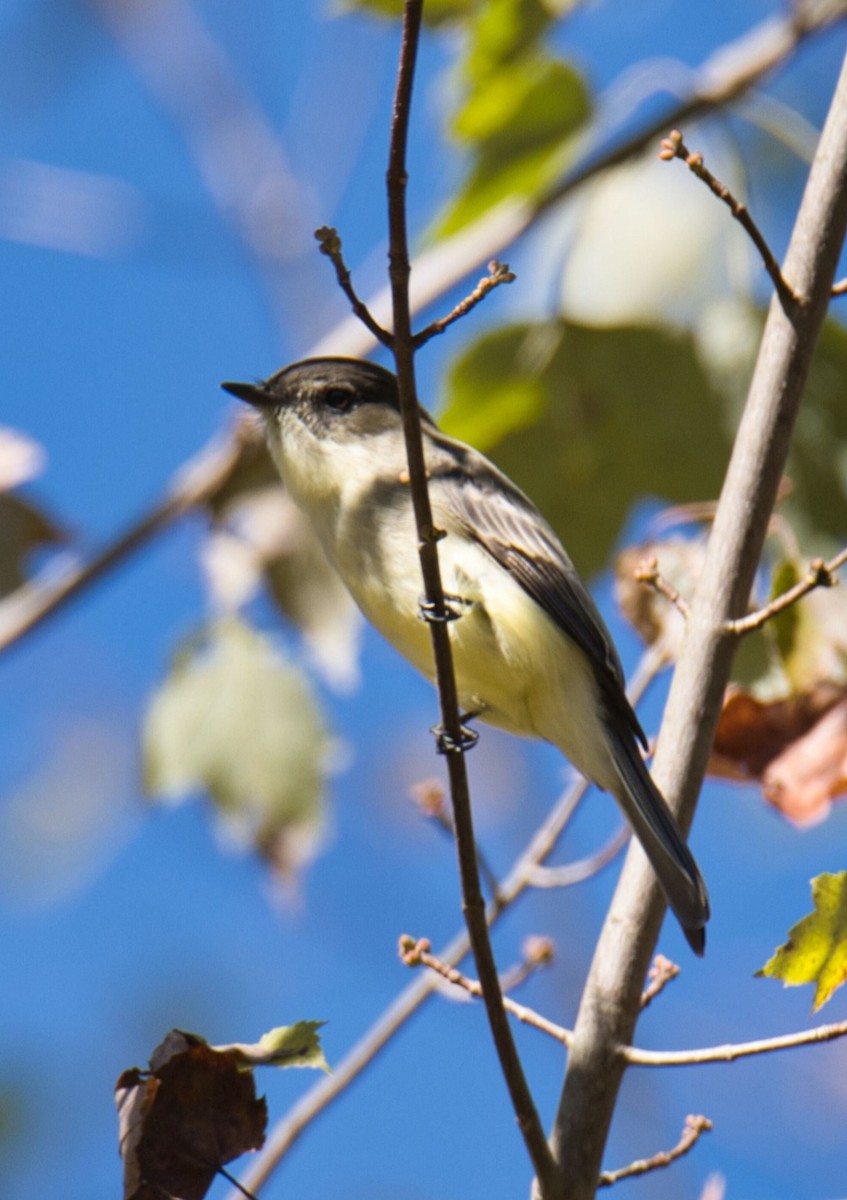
x=531 y=652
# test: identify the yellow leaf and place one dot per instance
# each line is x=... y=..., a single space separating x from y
x=816 y=950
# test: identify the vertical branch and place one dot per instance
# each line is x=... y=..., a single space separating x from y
x=472 y=899
x=610 y=1002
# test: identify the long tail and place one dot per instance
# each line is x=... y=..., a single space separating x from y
x=656 y=828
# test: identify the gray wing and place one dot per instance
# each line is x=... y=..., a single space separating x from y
x=495 y=513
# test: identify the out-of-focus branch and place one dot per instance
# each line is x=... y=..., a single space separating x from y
x=730 y=72
x=519 y=879
x=611 y=999
x=192 y=486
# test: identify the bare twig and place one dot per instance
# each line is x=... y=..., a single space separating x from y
x=732 y=1051
x=648 y=573
x=239 y=1187
x=330 y=1087
x=572 y=873
x=452 y=734
x=674 y=147
x=430 y=799
x=610 y=1001
x=840 y=288
x=330 y=245
x=537 y=951
x=497 y=273
x=416 y=952
x=820 y=574
x=693 y=1130
x=730 y=72
x=661 y=973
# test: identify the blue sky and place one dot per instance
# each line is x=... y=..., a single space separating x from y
x=118 y=920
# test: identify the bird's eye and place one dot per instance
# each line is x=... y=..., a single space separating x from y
x=339 y=398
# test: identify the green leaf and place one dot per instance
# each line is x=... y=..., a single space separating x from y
x=610 y=419
x=436 y=12
x=816 y=950
x=518 y=124
x=817 y=464
x=503 y=30
x=286 y=1046
x=238 y=720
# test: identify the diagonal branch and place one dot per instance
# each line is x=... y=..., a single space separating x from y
x=723 y=78
x=518 y=880
x=610 y=1002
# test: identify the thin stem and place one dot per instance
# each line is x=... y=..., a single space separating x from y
x=674 y=147
x=497 y=273
x=661 y=973
x=648 y=573
x=330 y=245
x=732 y=1051
x=330 y=1087
x=417 y=953
x=473 y=903
x=694 y=1129
x=820 y=574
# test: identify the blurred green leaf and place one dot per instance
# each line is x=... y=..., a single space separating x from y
x=517 y=125
x=613 y=416
x=435 y=12
x=238 y=720
x=817 y=464
x=286 y=1046
x=816 y=950
x=502 y=30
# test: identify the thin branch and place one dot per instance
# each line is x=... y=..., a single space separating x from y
x=648 y=574
x=452 y=734
x=610 y=1001
x=732 y=70
x=239 y=1187
x=497 y=273
x=674 y=147
x=661 y=973
x=537 y=951
x=416 y=952
x=581 y=869
x=430 y=799
x=330 y=245
x=192 y=486
x=330 y=1087
x=840 y=288
x=729 y=73
x=820 y=574
x=693 y=1130
x=732 y=1051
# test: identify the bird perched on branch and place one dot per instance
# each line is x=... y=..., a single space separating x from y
x=531 y=652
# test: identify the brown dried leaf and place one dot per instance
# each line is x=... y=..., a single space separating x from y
x=795 y=747
x=193 y=1112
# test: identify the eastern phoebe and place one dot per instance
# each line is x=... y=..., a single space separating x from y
x=531 y=652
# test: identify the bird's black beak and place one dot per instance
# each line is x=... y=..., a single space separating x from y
x=256 y=394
